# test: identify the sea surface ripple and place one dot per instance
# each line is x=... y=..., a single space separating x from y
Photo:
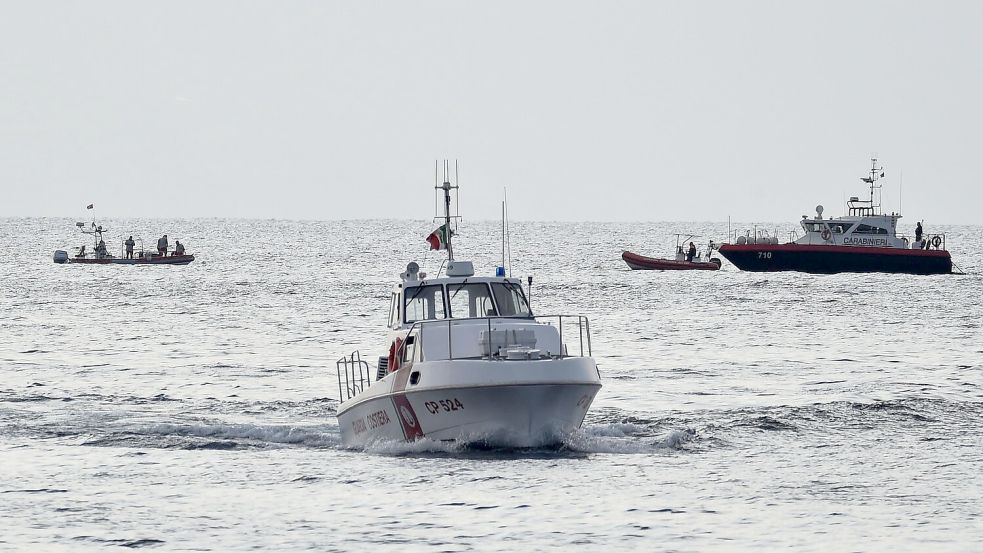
x=192 y=408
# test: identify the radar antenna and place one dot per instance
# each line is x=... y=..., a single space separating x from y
x=876 y=173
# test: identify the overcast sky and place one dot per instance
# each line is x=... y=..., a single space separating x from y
x=689 y=111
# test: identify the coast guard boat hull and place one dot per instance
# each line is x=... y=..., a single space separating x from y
x=828 y=259
x=516 y=404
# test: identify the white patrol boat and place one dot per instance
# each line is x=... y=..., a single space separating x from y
x=865 y=240
x=468 y=362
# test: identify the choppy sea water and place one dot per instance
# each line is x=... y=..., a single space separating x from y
x=192 y=408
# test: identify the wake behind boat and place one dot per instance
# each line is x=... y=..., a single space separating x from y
x=865 y=240
x=468 y=362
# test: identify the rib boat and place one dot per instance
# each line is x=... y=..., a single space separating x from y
x=637 y=262
x=864 y=240
x=468 y=361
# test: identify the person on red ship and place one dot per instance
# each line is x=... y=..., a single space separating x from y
x=918 y=232
x=178 y=248
x=692 y=252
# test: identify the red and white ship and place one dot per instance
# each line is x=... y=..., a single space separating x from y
x=865 y=240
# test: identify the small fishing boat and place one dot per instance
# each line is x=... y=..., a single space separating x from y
x=99 y=255
x=866 y=240
x=468 y=362
x=681 y=262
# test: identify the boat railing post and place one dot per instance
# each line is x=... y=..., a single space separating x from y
x=560 y=326
x=351 y=382
x=589 y=349
x=580 y=329
x=356 y=380
x=362 y=372
x=337 y=368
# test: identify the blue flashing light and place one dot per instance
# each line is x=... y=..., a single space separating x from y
x=500 y=271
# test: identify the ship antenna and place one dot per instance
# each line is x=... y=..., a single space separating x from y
x=873 y=177
x=446 y=187
x=503 y=234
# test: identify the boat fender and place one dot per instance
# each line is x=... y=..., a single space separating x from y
x=394 y=355
x=825 y=234
x=937 y=241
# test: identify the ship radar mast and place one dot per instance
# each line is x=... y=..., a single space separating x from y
x=444 y=188
x=856 y=206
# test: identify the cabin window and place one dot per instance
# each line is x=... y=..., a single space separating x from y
x=470 y=300
x=867 y=229
x=510 y=299
x=424 y=303
x=835 y=228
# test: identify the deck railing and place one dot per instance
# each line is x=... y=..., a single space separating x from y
x=582 y=322
x=354 y=374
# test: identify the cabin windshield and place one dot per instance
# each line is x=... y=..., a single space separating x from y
x=869 y=229
x=835 y=228
x=510 y=299
x=424 y=303
x=469 y=300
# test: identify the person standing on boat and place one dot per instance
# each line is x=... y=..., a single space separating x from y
x=178 y=248
x=918 y=232
x=692 y=252
x=101 y=249
x=162 y=245
x=129 y=247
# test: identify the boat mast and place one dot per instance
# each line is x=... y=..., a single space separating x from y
x=871 y=180
x=447 y=187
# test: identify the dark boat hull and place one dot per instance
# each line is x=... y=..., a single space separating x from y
x=827 y=259
x=642 y=263
x=155 y=260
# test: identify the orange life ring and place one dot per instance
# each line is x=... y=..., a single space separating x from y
x=825 y=234
x=394 y=355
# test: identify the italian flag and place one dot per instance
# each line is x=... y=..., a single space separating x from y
x=438 y=238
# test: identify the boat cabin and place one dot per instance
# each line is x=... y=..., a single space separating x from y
x=865 y=224
x=417 y=298
x=853 y=230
